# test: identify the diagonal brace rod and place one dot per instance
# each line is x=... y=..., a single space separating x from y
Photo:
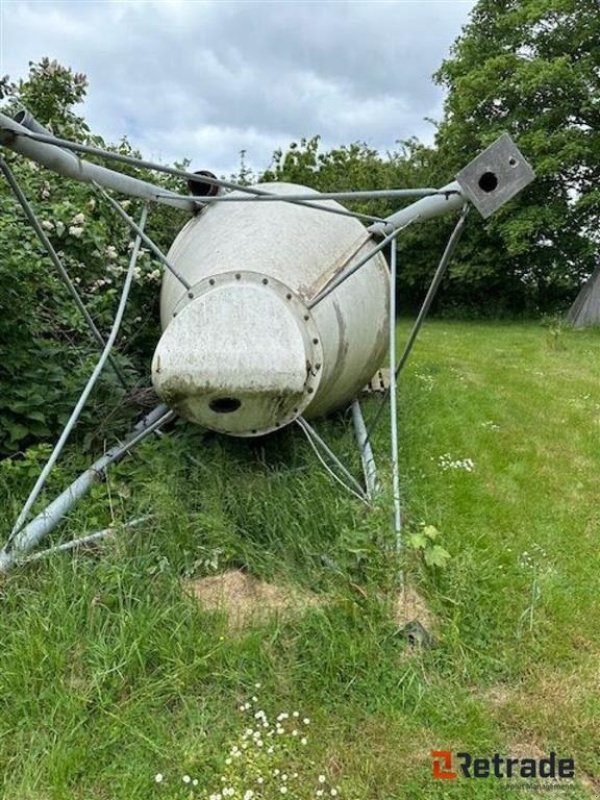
x=139 y=232
x=433 y=288
x=317 y=440
x=41 y=234
x=39 y=485
x=50 y=517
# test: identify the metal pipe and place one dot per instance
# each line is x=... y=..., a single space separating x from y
x=88 y=387
x=439 y=201
x=139 y=232
x=49 y=151
x=27 y=120
x=317 y=440
x=47 y=520
x=306 y=198
x=393 y=408
x=448 y=198
x=11 y=133
x=433 y=288
x=366 y=451
x=84 y=540
x=344 y=275
x=41 y=234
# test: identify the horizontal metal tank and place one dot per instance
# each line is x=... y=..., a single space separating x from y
x=241 y=352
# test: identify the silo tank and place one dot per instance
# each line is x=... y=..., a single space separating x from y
x=241 y=352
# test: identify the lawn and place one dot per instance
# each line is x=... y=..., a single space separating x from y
x=112 y=672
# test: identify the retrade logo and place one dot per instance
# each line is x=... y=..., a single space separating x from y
x=442 y=765
x=450 y=766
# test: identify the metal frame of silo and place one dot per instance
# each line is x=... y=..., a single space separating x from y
x=27 y=137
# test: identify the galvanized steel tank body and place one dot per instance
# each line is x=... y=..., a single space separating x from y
x=268 y=260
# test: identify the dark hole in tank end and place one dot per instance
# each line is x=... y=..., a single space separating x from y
x=224 y=405
x=488 y=182
x=200 y=188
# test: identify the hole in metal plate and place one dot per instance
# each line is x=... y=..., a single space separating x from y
x=224 y=405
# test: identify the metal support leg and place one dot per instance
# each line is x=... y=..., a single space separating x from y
x=393 y=409
x=434 y=286
x=26 y=538
x=366 y=451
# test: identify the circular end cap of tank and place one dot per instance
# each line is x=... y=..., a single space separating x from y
x=242 y=355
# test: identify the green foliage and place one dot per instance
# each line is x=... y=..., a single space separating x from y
x=532 y=68
x=47 y=351
x=50 y=91
x=424 y=542
x=353 y=167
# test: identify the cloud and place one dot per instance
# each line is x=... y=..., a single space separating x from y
x=204 y=80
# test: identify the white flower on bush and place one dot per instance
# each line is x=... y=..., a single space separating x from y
x=78 y=219
x=159 y=777
x=47 y=225
x=75 y=231
x=111 y=252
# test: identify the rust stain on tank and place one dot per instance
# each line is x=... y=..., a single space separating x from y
x=342 y=349
x=312 y=290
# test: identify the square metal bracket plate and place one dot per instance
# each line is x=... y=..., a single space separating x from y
x=495 y=176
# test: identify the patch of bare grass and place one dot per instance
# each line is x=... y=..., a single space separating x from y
x=246 y=599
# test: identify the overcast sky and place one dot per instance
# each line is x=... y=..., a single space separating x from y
x=205 y=79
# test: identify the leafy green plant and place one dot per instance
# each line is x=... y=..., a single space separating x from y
x=48 y=351
x=555 y=326
x=424 y=541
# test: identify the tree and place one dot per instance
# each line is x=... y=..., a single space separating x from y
x=531 y=67
x=50 y=91
x=47 y=352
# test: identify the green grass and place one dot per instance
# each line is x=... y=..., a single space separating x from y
x=111 y=673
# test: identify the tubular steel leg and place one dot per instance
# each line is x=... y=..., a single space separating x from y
x=366 y=451
x=433 y=288
x=345 y=274
x=393 y=409
x=26 y=538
